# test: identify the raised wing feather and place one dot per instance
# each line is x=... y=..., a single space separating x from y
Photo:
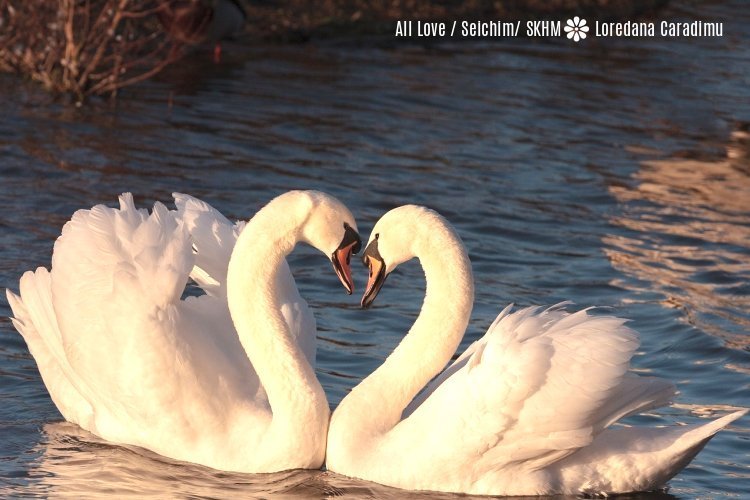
x=34 y=318
x=213 y=237
x=116 y=281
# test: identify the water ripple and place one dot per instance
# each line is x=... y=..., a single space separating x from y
x=611 y=173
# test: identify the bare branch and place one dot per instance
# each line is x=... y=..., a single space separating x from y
x=85 y=46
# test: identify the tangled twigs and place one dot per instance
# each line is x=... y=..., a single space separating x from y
x=85 y=47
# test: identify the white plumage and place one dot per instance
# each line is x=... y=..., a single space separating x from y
x=126 y=358
x=525 y=410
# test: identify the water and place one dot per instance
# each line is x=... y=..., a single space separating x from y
x=611 y=173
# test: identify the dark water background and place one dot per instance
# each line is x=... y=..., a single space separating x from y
x=611 y=172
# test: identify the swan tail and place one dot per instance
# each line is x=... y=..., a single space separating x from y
x=34 y=314
x=213 y=237
x=626 y=459
x=20 y=318
x=34 y=318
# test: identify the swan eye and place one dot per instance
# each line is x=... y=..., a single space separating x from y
x=377 y=236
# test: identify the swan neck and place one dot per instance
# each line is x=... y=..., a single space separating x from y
x=255 y=307
x=381 y=398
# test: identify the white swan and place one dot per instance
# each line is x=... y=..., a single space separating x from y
x=125 y=358
x=524 y=411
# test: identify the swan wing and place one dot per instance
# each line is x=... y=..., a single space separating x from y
x=541 y=384
x=141 y=355
x=213 y=237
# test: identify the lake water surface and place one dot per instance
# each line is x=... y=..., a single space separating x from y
x=612 y=173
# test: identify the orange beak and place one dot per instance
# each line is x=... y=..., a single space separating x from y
x=341 y=260
x=375 y=281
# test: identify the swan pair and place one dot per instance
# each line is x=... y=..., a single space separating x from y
x=226 y=379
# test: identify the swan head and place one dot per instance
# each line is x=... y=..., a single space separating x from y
x=392 y=242
x=330 y=227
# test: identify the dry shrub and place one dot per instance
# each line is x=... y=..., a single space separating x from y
x=85 y=47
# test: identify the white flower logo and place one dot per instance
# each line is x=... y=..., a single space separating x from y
x=576 y=28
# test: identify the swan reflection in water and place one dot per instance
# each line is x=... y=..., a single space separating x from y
x=690 y=240
x=73 y=462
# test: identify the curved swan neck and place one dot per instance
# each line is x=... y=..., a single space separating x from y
x=380 y=399
x=261 y=248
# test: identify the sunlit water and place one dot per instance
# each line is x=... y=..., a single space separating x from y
x=608 y=173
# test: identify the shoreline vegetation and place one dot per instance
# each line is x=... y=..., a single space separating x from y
x=96 y=47
x=84 y=47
